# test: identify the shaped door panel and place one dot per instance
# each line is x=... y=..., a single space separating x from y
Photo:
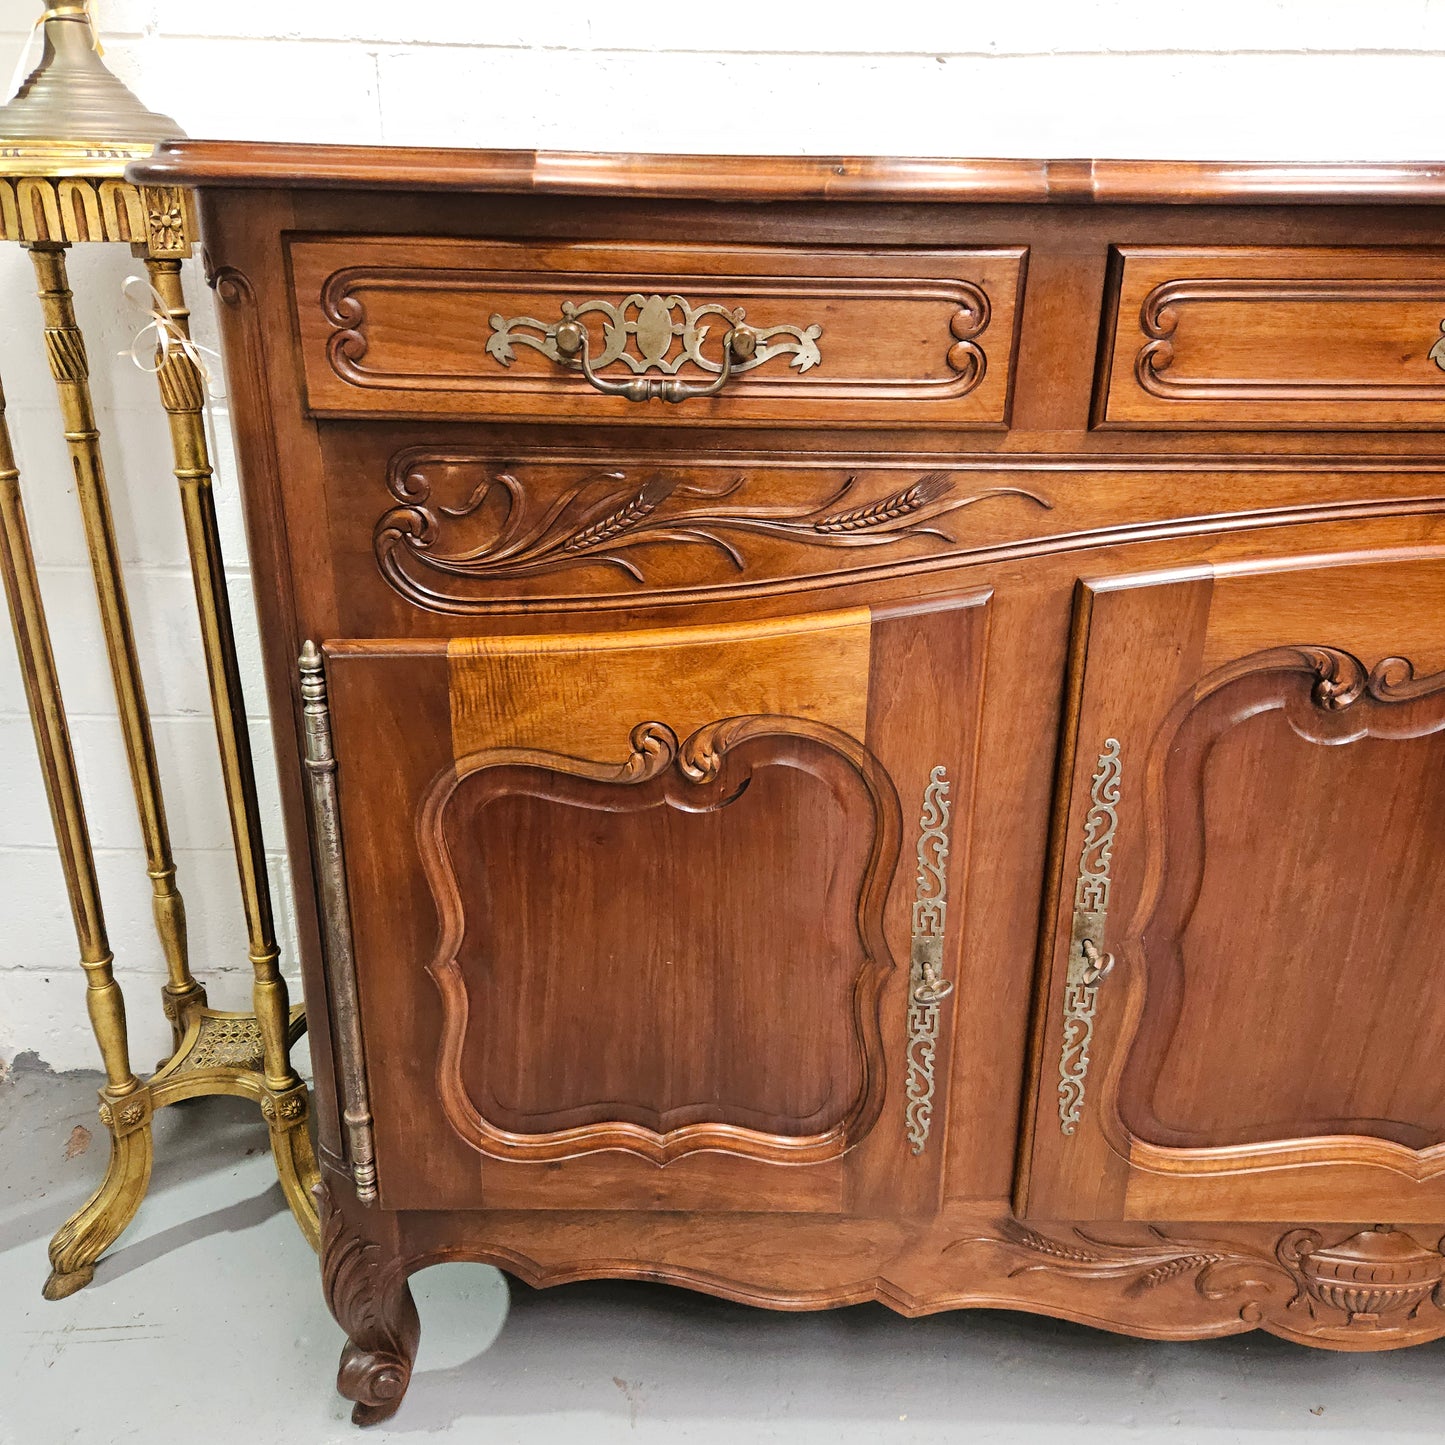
x=1246 y=998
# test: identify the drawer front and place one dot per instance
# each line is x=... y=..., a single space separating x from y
x=842 y=337
x=1330 y=338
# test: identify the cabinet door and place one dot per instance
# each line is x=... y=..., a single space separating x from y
x=635 y=913
x=1245 y=999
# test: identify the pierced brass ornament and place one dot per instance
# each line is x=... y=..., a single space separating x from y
x=652 y=324
x=1089 y=965
x=927 y=987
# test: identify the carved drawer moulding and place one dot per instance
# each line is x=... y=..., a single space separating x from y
x=350 y=345
x=1164 y=307
x=1316 y=336
x=858 y=338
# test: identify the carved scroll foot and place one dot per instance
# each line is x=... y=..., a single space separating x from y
x=365 y=1279
x=375 y=1381
x=86 y=1235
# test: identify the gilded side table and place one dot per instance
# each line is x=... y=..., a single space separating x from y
x=64 y=142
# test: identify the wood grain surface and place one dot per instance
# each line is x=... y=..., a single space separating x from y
x=674 y=741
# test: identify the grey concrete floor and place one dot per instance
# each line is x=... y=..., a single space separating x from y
x=205 y=1323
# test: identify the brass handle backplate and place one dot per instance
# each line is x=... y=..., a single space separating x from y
x=654 y=334
x=1437 y=352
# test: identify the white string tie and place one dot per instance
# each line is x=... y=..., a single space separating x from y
x=156 y=341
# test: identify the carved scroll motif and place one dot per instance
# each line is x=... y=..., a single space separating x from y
x=1088 y=964
x=927 y=988
x=365 y=1285
x=1161 y=309
x=1328 y=696
x=608 y=520
x=1380 y=1281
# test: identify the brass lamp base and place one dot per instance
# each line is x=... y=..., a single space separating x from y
x=72 y=116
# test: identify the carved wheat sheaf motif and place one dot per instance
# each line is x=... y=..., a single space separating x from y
x=609 y=520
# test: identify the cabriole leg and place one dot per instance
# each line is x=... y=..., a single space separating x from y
x=365 y=1279
x=83 y=1238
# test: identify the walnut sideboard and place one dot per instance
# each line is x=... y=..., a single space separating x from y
x=865 y=730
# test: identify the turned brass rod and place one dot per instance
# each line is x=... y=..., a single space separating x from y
x=65 y=347
x=182 y=388
x=57 y=763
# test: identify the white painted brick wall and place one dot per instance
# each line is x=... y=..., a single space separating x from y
x=1268 y=79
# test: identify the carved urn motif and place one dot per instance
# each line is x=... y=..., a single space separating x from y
x=1374 y=1274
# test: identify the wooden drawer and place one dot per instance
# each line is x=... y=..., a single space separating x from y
x=1321 y=337
x=865 y=337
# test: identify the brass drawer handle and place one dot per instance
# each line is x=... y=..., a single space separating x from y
x=654 y=333
x=574 y=344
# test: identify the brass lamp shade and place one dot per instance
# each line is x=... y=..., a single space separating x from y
x=72 y=117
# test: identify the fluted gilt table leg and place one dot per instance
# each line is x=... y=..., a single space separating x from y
x=63 y=191
x=65 y=348
x=125 y=1102
x=182 y=388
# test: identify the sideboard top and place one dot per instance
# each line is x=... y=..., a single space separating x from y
x=787 y=178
